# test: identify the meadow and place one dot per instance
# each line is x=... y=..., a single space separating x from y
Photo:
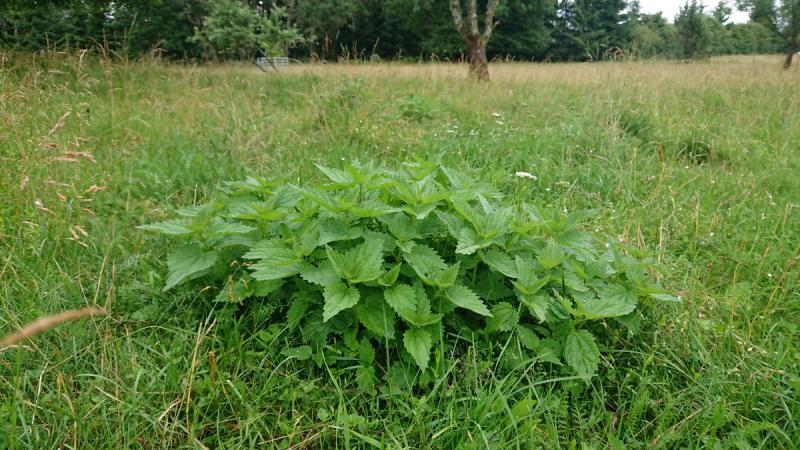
x=698 y=165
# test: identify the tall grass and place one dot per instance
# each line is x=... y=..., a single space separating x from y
x=697 y=164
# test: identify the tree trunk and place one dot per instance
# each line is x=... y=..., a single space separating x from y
x=790 y=51
x=478 y=64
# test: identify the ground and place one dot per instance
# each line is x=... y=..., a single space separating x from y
x=696 y=164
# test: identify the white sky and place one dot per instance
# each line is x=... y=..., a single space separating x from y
x=670 y=8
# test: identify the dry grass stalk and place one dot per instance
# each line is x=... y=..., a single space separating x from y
x=47 y=322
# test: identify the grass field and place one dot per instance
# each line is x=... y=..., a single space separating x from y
x=698 y=164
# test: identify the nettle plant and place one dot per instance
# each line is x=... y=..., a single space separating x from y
x=410 y=260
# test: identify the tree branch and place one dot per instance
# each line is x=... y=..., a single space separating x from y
x=472 y=18
x=455 y=11
x=490 y=23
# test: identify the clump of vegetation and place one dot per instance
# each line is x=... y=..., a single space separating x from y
x=415 y=107
x=404 y=260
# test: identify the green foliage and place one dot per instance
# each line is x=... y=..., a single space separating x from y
x=375 y=253
x=692 y=31
x=234 y=29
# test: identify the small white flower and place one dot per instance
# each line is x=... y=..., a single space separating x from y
x=499 y=122
x=526 y=175
x=497 y=114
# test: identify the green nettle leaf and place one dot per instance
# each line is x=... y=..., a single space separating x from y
x=339 y=177
x=500 y=261
x=389 y=278
x=537 y=304
x=332 y=230
x=299 y=353
x=297 y=310
x=275 y=261
x=372 y=208
x=366 y=354
x=338 y=297
x=447 y=277
x=418 y=343
x=170 y=227
x=401 y=227
x=469 y=242
x=463 y=297
x=527 y=337
x=613 y=301
x=581 y=352
x=425 y=262
x=402 y=299
x=362 y=263
x=504 y=318
x=551 y=255
x=323 y=275
x=187 y=263
x=376 y=316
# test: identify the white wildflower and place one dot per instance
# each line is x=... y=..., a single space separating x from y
x=526 y=175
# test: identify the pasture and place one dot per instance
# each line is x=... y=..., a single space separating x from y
x=697 y=165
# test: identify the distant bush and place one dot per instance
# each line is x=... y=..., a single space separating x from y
x=405 y=263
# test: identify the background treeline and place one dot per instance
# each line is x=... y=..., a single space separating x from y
x=556 y=30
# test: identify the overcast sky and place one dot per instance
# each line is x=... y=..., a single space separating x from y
x=670 y=8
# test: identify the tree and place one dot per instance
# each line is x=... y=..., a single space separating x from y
x=722 y=13
x=471 y=35
x=236 y=30
x=788 y=26
x=693 y=36
x=590 y=29
x=783 y=19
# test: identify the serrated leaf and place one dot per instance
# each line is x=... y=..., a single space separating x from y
x=390 y=276
x=418 y=343
x=527 y=337
x=332 y=230
x=413 y=309
x=339 y=177
x=297 y=310
x=322 y=275
x=425 y=262
x=170 y=227
x=187 y=263
x=499 y=261
x=581 y=352
x=453 y=224
x=299 y=353
x=537 y=304
x=549 y=351
x=402 y=300
x=401 y=227
x=463 y=297
x=469 y=242
x=551 y=255
x=338 y=297
x=491 y=286
x=365 y=379
x=666 y=297
x=366 y=353
x=504 y=318
x=372 y=208
x=523 y=408
x=613 y=300
x=376 y=316
x=275 y=260
x=225 y=229
x=262 y=288
x=579 y=243
x=447 y=277
x=359 y=264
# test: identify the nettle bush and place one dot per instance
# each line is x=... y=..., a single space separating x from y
x=408 y=261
